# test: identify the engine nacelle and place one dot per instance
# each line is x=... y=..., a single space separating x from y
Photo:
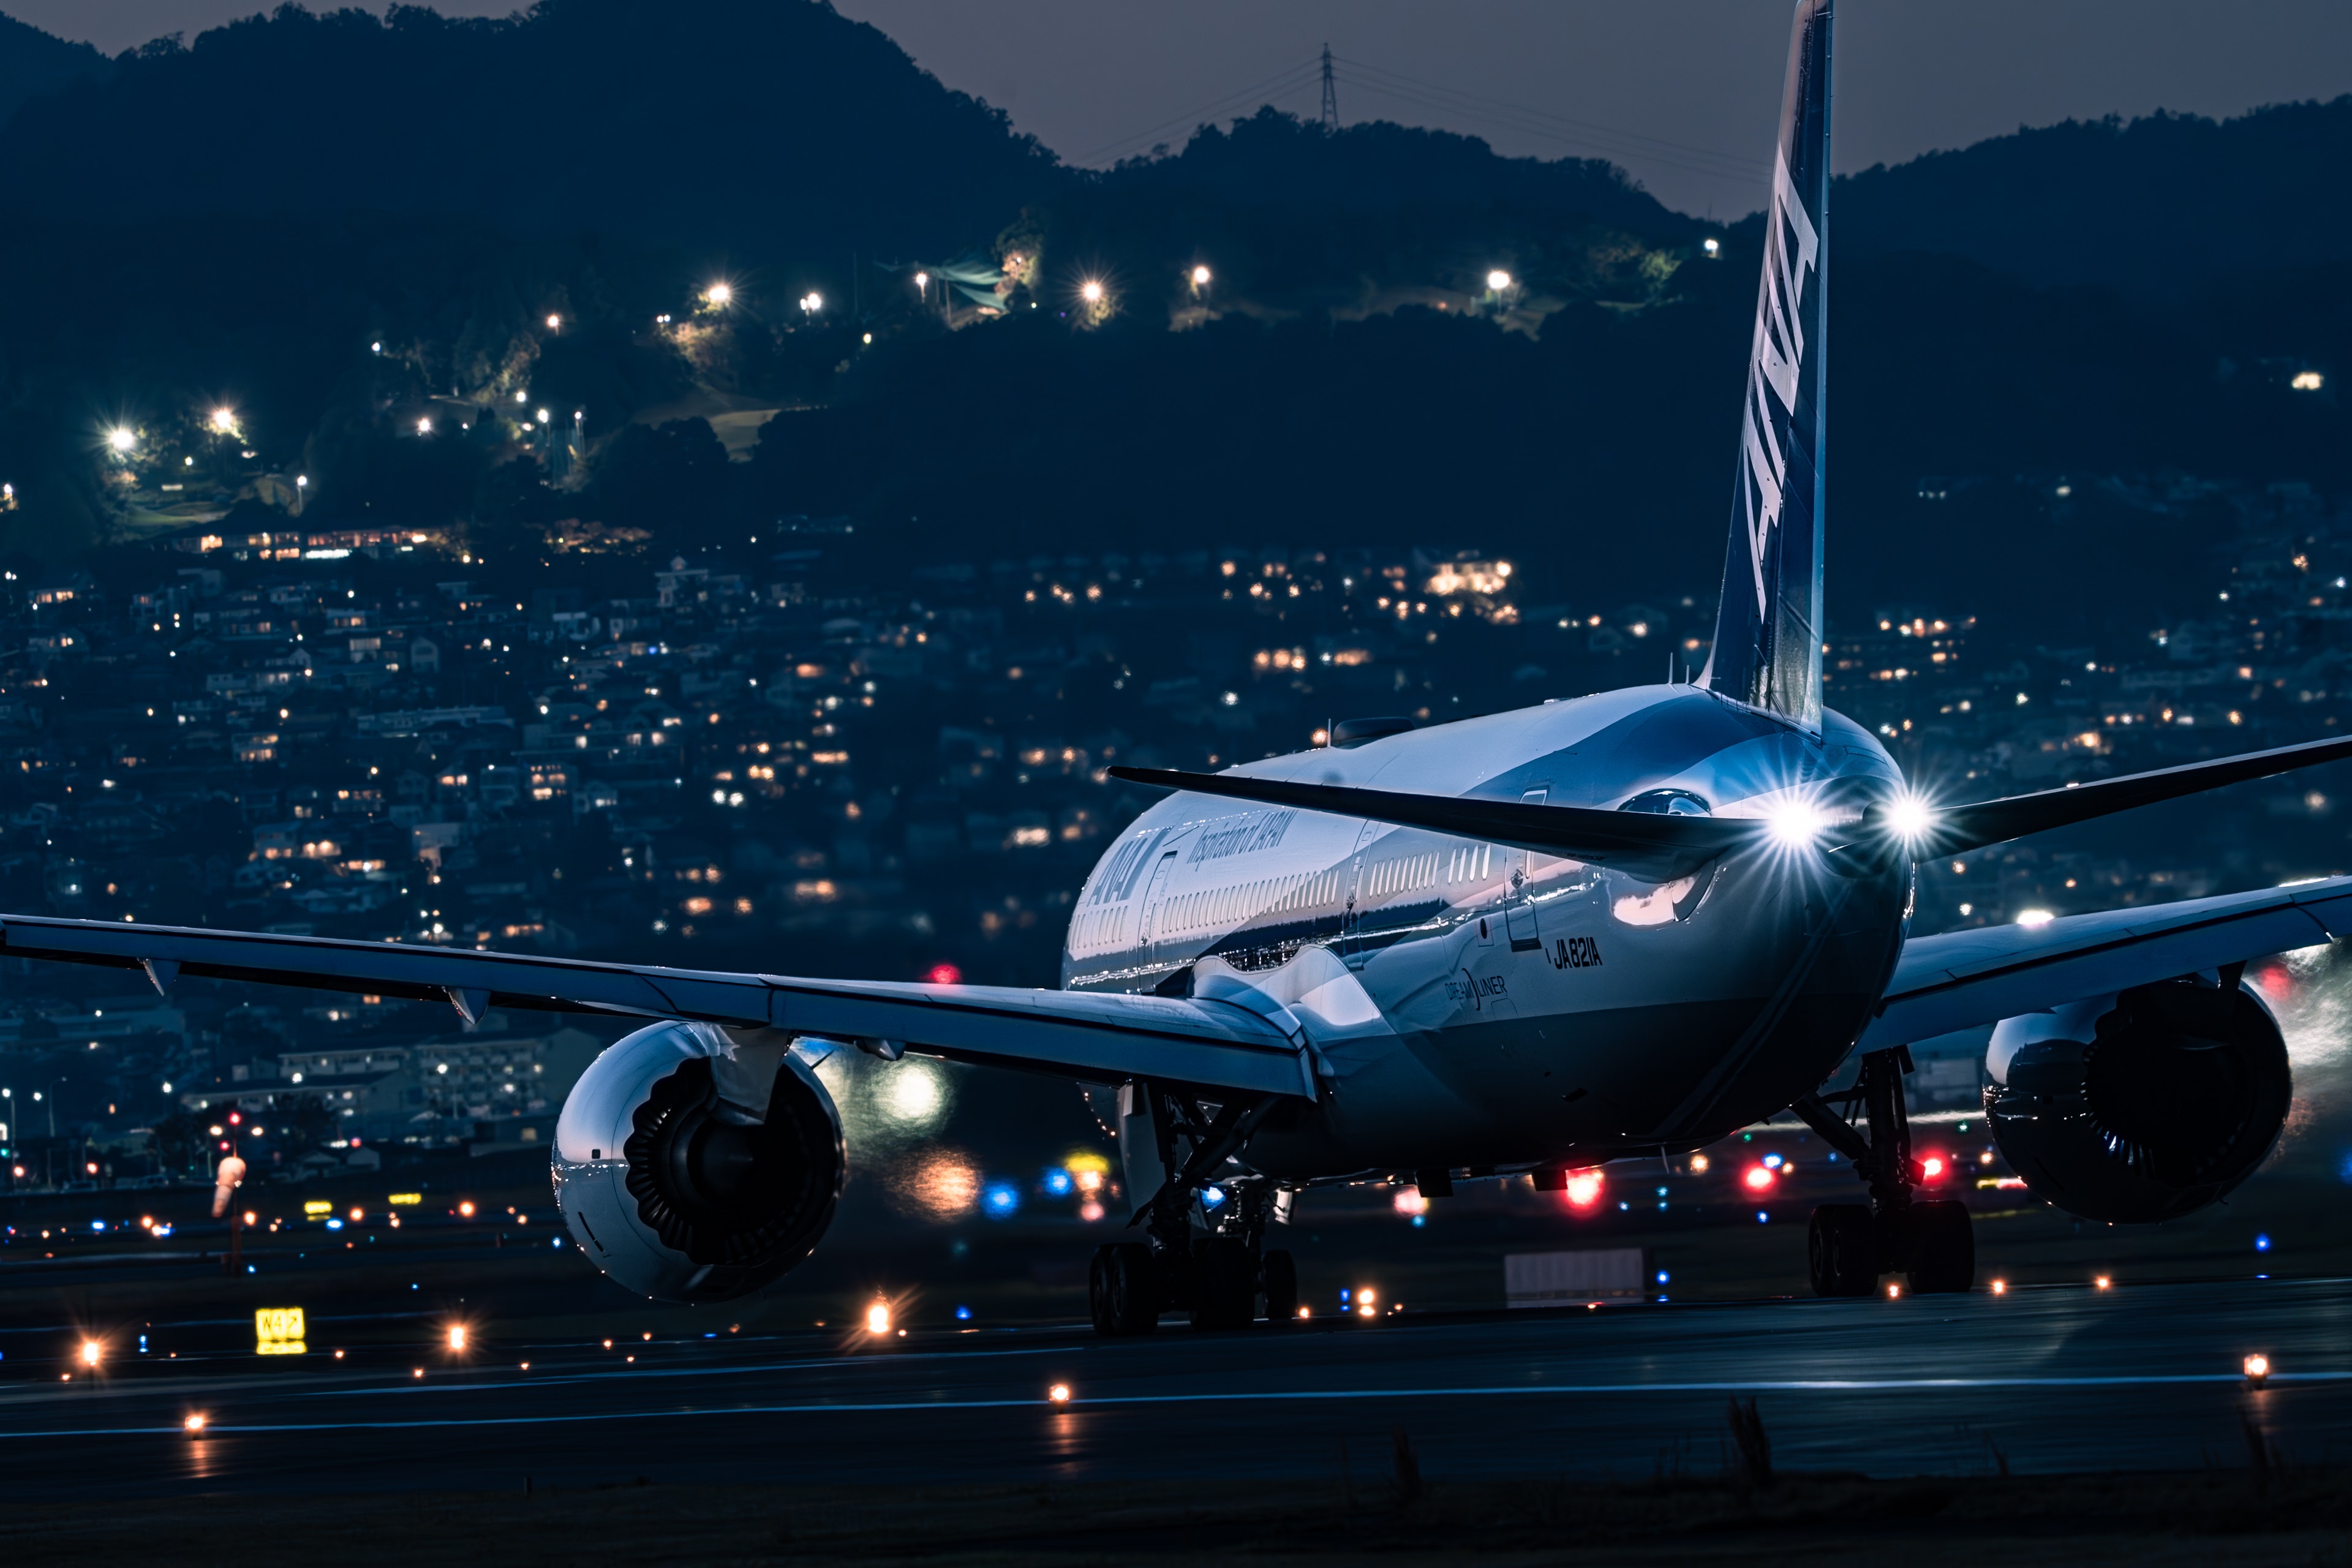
x=2142 y=1105
x=694 y=1163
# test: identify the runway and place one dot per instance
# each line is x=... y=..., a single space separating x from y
x=2048 y=1379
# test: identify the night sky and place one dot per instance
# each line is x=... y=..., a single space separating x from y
x=1681 y=92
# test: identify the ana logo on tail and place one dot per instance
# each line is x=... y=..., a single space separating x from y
x=1774 y=359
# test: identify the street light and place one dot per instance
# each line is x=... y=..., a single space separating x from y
x=922 y=280
x=1498 y=280
x=122 y=439
x=1091 y=292
x=553 y=322
x=224 y=420
x=1200 y=278
x=719 y=295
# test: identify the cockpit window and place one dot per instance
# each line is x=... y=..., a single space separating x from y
x=1669 y=803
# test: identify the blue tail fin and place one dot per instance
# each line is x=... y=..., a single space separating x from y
x=1768 y=634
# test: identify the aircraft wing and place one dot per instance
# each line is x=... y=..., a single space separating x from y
x=1096 y=1037
x=1965 y=977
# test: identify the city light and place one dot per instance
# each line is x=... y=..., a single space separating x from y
x=553 y=322
x=425 y=427
x=1712 y=247
x=92 y=1352
x=922 y=280
x=2030 y=918
x=193 y=1425
x=457 y=1337
x=2001 y=1287
x=2258 y=1370
x=224 y=420
x=2308 y=381
x=1364 y=1307
x=122 y=439
x=1059 y=1393
x=719 y=295
x=1090 y=291
x=1200 y=278
x=878 y=1316
x=1498 y=280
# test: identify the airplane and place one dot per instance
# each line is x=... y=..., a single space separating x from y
x=1617 y=927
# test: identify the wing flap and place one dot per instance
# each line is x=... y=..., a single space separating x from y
x=1958 y=979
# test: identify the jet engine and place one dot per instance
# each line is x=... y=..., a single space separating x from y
x=696 y=1164
x=2141 y=1105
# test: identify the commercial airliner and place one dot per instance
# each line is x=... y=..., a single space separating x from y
x=1617 y=927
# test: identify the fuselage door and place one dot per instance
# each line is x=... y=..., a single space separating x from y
x=1519 y=914
x=1150 y=931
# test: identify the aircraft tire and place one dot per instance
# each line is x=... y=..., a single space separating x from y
x=1224 y=1283
x=1943 y=1249
x=1278 y=1278
x=1842 y=1250
x=1123 y=1289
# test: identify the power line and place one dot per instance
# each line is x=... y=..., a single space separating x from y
x=1273 y=87
x=1330 y=94
x=1560 y=129
x=1595 y=127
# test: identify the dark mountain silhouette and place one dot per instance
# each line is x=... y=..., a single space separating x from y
x=2160 y=206
x=33 y=63
x=762 y=126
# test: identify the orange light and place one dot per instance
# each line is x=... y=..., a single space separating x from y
x=1302 y=1312
x=1757 y=1179
x=1698 y=1164
x=193 y=1424
x=878 y=1316
x=2102 y=1281
x=457 y=1336
x=465 y=1209
x=2257 y=1369
x=1059 y=1393
x=1894 y=1291
x=92 y=1352
x=359 y=1214
x=2001 y=1287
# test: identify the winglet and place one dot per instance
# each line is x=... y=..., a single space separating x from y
x=161 y=972
x=470 y=1004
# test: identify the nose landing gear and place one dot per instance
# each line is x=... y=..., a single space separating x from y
x=1850 y=1245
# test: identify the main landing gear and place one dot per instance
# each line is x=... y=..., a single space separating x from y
x=1220 y=1277
x=1850 y=1245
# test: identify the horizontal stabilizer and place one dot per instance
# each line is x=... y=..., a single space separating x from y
x=1959 y=828
x=1656 y=848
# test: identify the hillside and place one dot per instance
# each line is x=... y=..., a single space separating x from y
x=2162 y=205
x=33 y=63
x=705 y=126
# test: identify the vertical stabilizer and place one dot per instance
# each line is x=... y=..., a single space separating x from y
x=1768 y=634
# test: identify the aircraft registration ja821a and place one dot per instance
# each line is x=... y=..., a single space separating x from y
x=1622 y=926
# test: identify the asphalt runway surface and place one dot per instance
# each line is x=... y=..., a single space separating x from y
x=2073 y=1379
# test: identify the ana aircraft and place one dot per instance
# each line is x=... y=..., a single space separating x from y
x=1623 y=926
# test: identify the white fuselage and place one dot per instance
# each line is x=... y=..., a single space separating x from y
x=1472 y=1004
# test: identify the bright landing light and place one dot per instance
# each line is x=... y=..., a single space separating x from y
x=1796 y=823
x=1910 y=817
